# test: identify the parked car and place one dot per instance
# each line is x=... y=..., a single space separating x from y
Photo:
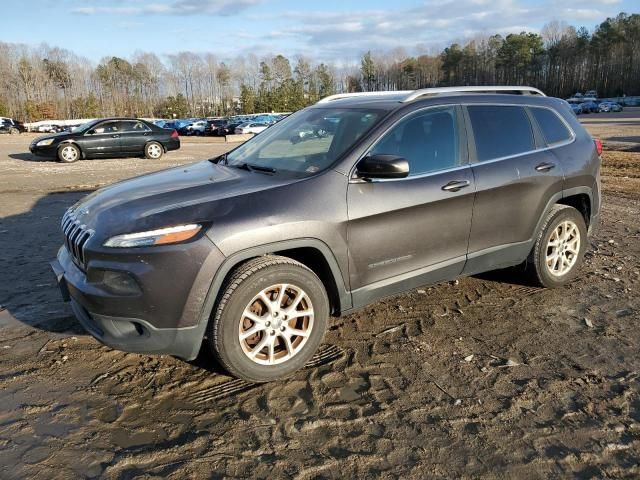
x=211 y=128
x=107 y=138
x=228 y=128
x=250 y=127
x=47 y=128
x=589 y=107
x=197 y=128
x=253 y=251
x=576 y=108
x=12 y=127
x=184 y=130
x=610 y=107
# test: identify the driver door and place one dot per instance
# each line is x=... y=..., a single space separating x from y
x=102 y=140
x=412 y=231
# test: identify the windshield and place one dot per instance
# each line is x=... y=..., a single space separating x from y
x=308 y=141
x=85 y=126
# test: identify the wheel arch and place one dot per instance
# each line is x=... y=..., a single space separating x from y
x=313 y=253
x=572 y=197
x=581 y=201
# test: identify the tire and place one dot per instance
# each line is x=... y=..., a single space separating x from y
x=251 y=358
x=153 y=150
x=556 y=265
x=13 y=131
x=68 y=153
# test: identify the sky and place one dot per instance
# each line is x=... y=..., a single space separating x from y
x=336 y=30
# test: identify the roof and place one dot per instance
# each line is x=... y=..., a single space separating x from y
x=407 y=96
x=393 y=100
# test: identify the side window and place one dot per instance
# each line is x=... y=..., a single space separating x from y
x=500 y=131
x=428 y=140
x=553 y=129
x=131 y=126
x=107 y=127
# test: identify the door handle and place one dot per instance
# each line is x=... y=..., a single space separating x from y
x=545 y=167
x=456 y=185
x=115 y=136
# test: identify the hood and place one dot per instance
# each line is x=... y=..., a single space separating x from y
x=186 y=194
x=51 y=135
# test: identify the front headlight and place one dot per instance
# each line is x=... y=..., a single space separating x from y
x=44 y=143
x=162 y=236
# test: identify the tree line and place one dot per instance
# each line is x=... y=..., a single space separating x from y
x=47 y=82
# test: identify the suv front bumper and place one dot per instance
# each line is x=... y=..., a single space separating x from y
x=96 y=308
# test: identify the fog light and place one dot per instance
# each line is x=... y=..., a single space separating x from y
x=120 y=283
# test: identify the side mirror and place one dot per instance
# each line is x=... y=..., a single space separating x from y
x=382 y=166
x=91 y=132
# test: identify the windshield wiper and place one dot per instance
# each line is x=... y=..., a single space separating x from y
x=253 y=168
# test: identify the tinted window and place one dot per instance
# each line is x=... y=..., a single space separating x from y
x=552 y=127
x=132 y=126
x=427 y=140
x=500 y=131
x=107 y=127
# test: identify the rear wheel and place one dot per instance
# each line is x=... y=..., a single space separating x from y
x=68 y=153
x=153 y=150
x=270 y=319
x=559 y=248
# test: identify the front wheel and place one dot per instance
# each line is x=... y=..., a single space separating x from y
x=13 y=131
x=68 y=153
x=153 y=150
x=269 y=320
x=559 y=248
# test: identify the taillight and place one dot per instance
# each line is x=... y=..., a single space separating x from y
x=598 y=146
x=174 y=134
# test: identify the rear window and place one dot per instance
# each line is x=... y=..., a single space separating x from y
x=553 y=129
x=500 y=131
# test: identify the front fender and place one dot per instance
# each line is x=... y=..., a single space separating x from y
x=218 y=276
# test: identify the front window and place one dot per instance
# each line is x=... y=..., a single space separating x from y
x=306 y=142
x=428 y=140
x=85 y=126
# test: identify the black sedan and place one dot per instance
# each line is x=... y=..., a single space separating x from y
x=107 y=138
x=11 y=127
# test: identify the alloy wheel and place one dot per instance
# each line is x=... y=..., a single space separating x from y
x=69 y=153
x=563 y=248
x=276 y=324
x=154 y=150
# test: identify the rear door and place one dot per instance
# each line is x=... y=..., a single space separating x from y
x=102 y=140
x=408 y=232
x=516 y=176
x=134 y=135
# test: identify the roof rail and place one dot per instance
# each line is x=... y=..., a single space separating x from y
x=472 y=89
x=338 y=96
x=414 y=94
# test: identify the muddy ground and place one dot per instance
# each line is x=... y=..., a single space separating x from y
x=485 y=377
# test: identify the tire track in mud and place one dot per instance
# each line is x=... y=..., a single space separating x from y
x=325 y=355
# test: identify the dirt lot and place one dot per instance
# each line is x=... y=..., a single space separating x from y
x=485 y=377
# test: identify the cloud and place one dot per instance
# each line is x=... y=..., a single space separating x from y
x=433 y=23
x=176 y=7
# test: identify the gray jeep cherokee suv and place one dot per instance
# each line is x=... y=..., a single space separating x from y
x=352 y=199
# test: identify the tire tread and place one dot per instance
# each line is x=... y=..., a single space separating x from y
x=238 y=276
x=533 y=261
